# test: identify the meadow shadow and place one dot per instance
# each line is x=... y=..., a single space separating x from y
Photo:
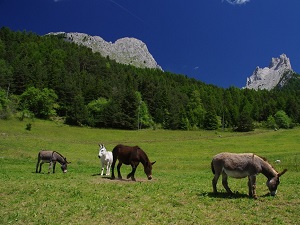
x=41 y=172
x=225 y=195
x=96 y=174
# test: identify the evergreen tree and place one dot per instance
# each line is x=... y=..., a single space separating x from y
x=245 y=121
x=210 y=120
x=195 y=111
x=77 y=112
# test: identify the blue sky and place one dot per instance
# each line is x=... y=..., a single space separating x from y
x=219 y=42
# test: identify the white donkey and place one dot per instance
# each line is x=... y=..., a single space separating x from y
x=106 y=159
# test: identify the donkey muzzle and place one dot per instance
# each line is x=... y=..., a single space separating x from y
x=150 y=177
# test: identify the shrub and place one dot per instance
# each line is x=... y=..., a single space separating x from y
x=282 y=120
x=271 y=123
x=41 y=103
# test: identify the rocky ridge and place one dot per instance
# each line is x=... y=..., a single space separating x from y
x=130 y=51
x=276 y=74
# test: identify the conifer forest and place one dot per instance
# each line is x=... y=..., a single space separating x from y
x=47 y=77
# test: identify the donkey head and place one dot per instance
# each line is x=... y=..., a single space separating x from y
x=148 y=169
x=274 y=182
x=64 y=165
x=102 y=150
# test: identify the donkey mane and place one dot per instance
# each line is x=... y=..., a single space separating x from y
x=266 y=160
x=145 y=158
x=263 y=158
x=65 y=160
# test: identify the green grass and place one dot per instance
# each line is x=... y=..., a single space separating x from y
x=180 y=193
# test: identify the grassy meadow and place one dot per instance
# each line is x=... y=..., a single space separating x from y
x=180 y=192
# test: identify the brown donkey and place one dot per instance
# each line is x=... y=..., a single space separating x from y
x=243 y=165
x=130 y=156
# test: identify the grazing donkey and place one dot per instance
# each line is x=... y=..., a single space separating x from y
x=243 y=165
x=106 y=159
x=131 y=156
x=51 y=157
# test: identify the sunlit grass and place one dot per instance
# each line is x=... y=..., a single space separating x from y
x=180 y=193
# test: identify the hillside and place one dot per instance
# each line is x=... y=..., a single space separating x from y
x=88 y=89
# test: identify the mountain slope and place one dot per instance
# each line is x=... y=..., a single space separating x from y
x=129 y=51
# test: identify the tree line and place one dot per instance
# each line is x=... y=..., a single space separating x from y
x=46 y=77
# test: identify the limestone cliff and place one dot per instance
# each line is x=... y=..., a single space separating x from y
x=130 y=51
x=277 y=73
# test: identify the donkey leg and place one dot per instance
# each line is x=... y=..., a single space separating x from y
x=41 y=166
x=102 y=169
x=54 y=164
x=252 y=186
x=107 y=168
x=50 y=166
x=113 y=169
x=225 y=183
x=118 y=169
x=131 y=174
x=214 y=182
x=37 y=166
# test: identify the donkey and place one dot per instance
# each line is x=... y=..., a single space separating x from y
x=243 y=165
x=131 y=156
x=106 y=159
x=51 y=157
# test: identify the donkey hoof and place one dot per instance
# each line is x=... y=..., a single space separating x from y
x=120 y=178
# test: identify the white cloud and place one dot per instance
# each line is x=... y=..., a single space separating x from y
x=237 y=2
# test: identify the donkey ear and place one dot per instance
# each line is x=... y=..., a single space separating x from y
x=283 y=172
x=153 y=162
x=67 y=160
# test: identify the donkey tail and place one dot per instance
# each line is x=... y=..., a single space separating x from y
x=212 y=167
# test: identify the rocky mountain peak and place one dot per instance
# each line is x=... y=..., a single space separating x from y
x=277 y=73
x=130 y=51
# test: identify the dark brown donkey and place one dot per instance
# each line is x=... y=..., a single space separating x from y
x=131 y=156
x=51 y=157
x=244 y=165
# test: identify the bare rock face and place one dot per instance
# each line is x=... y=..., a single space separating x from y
x=130 y=51
x=278 y=72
